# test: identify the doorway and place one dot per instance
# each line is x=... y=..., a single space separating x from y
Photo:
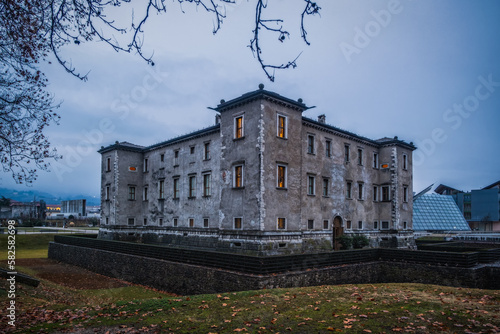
x=338 y=231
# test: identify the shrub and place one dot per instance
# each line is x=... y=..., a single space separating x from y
x=345 y=241
x=360 y=241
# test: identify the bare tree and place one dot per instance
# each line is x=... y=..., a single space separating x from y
x=32 y=31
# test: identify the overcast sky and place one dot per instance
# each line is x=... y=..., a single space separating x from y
x=425 y=71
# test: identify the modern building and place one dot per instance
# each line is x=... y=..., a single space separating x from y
x=480 y=207
x=76 y=208
x=263 y=180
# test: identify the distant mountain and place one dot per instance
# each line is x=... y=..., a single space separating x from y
x=30 y=195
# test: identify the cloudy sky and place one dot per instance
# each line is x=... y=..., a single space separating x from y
x=425 y=71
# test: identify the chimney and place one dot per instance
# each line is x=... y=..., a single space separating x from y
x=322 y=118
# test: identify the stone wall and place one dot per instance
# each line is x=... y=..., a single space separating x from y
x=188 y=279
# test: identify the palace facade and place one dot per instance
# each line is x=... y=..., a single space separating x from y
x=263 y=180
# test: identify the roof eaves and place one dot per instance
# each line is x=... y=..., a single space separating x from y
x=192 y=135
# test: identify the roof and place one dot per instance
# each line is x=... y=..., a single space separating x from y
x=493 y=185
x=261 y=93
x=441 y=189
x=352 y=135
x=433 y=212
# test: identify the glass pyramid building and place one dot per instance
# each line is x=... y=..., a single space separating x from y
x=433 y=212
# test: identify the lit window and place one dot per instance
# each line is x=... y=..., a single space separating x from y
x=281 y=223
x=161 y=189
x=238 y=176
x=131 y=193
x=282 y=126
x=238 y=223
x=206 y=152
x=192 y=186
x=206 y=185
x=176 y=188
x=310 y=144
x=310 y=185
x=347 y=153
x=326 y=190
x=281 y=176
x=328 y=148
x=310 y=224
x=348 y=193
x=238 y=127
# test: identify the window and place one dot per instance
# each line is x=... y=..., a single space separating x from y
x=375 y=193
x=326 y=224
x=405 y=225
x=360 y=156
x=385 y=194
x=107 y=220
x=192 y=186
x=206 y=185
x=281 y=177
x=191 y=150
x=145 y=222
x=161 y=189
x=310 y=144
x=108 y=190
x=108 y=165
x=282 y=126
x=375 y=160
x=326 y=190
x=348 y=193
x=348 y=225
x=205 y=222
x=405 y=162
x=281 y=223
x=375 y=225
x=238 y=127
x=162 y=157
x=146 y=167
x=176 y=222
x=347 y=153
x=360 y=225
x=238 y=223
x=131 y=193
x=360 y=190
x=405 y=194
x=160 y=221
x=191 y=222
x=310 y=185
x=238 y=176
x=176 y=188
x=206 y=151
x=310 y=224
x=176 y=158
x=328 y=148
x=145 y=194
x=385 y=225
x=131 y=221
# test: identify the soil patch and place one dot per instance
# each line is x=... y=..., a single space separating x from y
x=69 y=275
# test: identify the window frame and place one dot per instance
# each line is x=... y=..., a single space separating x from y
x=405 y=161
x=360 y=157
x=131 y=193
x=192 y=186
x=281 y=184
x=361 y=191
x=161 y=189
x=311 y=149
x=385 y=193
x=375 y=193
x=238 y=178
x=375 y=160
x=348 y=193
x=207 y=184
x=239 y=127
x=328 y=148
x=206 y=151
x=360 y=225
x=311 y=186
x=176 y=188
x=310 y=224
x=206 y=222
x=405 y=194
x=145 y=168
x=108 y=164
x=326 y=224
x=385 y=222
x=281 y=223
x=145 y=193
x=347 y=153
x=129 y=220
x=326 y=187
x=238 y=223
x=281 y=129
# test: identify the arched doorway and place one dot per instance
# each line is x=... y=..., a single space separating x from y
x=338 y=231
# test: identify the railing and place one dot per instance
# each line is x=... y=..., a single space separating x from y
x=276 y=264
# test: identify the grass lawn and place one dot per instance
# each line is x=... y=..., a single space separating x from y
x=362 y=308
x=28 y=246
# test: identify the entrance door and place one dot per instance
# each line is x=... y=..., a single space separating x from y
x=338 y=231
